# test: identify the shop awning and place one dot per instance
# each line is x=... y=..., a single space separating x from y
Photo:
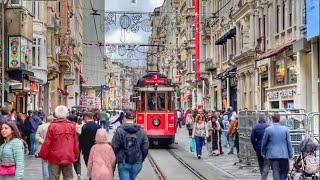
x=275 y=51
x=229 y=72
x=230 y=34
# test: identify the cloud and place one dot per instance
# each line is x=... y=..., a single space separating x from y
x=120 y=36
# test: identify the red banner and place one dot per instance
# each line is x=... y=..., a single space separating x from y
x=197 y=37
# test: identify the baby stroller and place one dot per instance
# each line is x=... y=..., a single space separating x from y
x=306 y=164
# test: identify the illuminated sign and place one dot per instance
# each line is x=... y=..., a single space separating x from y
x=155 y=80
x=14 y=52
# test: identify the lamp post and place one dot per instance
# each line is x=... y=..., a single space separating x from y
x=3 y=2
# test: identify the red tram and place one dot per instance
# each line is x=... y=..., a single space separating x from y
x=155 y=109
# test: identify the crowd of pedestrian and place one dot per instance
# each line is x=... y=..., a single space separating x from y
x=60 y=138
x=216 y=129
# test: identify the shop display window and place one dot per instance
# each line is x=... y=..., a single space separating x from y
x=291 y=72
x=280 y=72
x=275 y=105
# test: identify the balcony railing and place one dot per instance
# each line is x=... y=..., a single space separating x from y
x=211 y=65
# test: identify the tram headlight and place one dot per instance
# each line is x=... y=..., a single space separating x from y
x=156 y=122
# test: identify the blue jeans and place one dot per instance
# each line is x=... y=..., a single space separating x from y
x=129 y=171
x=33 y=143
x=224 y=138
x=45 y=170
x=199 y=144
x=280 y=168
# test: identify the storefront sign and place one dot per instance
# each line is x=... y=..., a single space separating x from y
x=197 y=36
x=313 y=18
x=274 y=95
x=263 y=69
x=14 y=52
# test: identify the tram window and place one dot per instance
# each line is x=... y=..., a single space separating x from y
x=142 y=101
x=161 y=101
x=152 y=100
x=170 y=99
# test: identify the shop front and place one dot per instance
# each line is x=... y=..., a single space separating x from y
x=26 y=92
x=281 y=98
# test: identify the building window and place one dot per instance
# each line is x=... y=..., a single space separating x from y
x=192 y=32
x=291 y=71
x=193 y=62
x=290 y=13
x=280 y=72
x=283 y=15
x=203 y=11
x=277 y=20
x=15 y=2
x=36 y=9
x=36 y=52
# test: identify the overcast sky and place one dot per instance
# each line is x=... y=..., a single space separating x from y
x=115 y=34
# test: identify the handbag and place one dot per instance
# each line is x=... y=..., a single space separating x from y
x=192 y=144
x=7 y=169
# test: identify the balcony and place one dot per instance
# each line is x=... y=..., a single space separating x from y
x=69 y=78
x=211 y=66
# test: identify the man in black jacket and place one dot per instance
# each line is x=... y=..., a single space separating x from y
x=88 y=135
x=130 y=146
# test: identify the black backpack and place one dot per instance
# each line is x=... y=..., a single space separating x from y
x=132 y=149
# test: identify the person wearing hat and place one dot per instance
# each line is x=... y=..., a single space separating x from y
x=277 y=147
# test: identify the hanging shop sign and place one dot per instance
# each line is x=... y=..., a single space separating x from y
x=263 y=69
x=14 y=52
x=283 y=94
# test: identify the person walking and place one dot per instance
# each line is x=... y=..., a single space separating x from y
x=88 y=135
x=225 y=136
x=219 y=119
x=215 y=129
x=32 y=125
x=75 y=118
x=11 y=153
x=200 y=132
x=189 y=124
x=102 y=159
x=40 y=137
x=277 y=147
x=60 y=147
x=104 y=120
x=131 y=147
x=256 y=141
x=233 y=134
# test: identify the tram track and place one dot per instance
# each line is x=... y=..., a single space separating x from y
x=158 y=166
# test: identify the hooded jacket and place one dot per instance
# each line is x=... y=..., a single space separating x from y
x=102 y=158
x=119 y=140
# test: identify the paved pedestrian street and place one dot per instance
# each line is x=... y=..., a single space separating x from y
x=226 y=165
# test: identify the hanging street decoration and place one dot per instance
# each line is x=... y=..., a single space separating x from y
x=131 y=50
x=128 y=21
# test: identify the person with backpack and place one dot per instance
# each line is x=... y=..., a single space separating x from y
x=276 y=146
x=131 y=147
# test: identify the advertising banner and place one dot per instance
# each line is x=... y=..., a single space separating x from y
x=197 y=37
x=14 y=52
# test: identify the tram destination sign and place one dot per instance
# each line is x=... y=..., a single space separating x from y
x=155 y=80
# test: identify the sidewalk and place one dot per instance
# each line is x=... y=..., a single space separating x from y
x=228 y=164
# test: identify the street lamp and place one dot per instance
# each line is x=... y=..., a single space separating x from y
x=3 y=2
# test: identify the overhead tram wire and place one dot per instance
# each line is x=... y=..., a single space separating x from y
x=94 y=13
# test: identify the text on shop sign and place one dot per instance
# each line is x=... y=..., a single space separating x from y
x=282 y=94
